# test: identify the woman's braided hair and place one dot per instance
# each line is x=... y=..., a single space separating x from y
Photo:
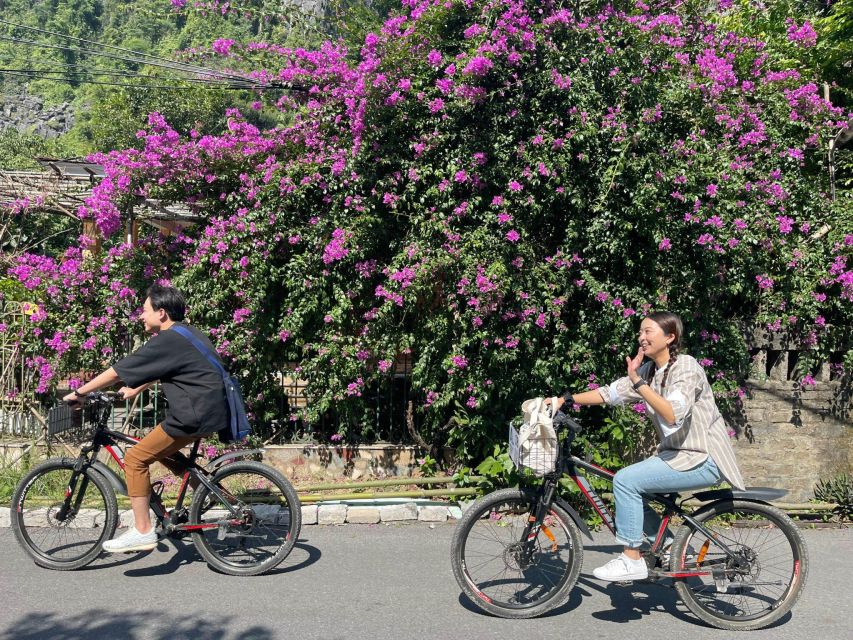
x=671 y=325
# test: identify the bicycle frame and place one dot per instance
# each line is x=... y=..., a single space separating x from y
x=109 y=440
x=569 y=464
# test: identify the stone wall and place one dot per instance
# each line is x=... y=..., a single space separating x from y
x=792 y=435
x=28 y=114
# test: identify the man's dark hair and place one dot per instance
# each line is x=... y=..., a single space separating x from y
x=169 y=299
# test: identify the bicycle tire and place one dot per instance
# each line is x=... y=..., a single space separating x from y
x=274 y=514
x=490 y=532
x=741 y=601
x=76 y=541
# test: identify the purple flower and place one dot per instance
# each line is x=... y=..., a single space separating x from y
x=335 y=250
x=711 y=190
x=512 y=235
x=434 y=58
x=459 y=362
x=355 y=388
x=473 y=31
x=804 y=36
x=515 y=186
x=786 y=224
x=808 y=381
x=478 y=66
x=436 y=105
x=664 y=245
x=764 y=282
x=222 y=46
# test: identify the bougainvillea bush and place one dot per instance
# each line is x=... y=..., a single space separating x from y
x=497 y=191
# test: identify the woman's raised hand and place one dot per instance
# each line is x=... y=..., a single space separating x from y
x=633 y=364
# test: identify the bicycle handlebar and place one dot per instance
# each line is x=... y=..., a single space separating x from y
x=560 y=419
x=112 y=397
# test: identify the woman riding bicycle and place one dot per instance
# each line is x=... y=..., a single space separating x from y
x=694 y=449
x=196 y=396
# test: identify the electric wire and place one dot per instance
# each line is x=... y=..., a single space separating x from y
x=161 y=61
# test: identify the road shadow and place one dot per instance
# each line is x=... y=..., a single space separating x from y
x=636 y=600
x=303 y=555
x=575 y=598
x=639 y=599
x=99 y=624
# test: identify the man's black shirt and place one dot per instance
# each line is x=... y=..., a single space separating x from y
x=191 y=384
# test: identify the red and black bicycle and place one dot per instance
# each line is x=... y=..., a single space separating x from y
x=737 y=562
x=244 y=516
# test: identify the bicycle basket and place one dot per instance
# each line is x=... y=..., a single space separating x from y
x=62 y=419
x=533 y=450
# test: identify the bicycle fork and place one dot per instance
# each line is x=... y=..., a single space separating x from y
x=536 y=523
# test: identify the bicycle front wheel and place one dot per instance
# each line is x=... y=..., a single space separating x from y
x=263 y=531
x=754 y=587
x=58 y=529
x=496 y=567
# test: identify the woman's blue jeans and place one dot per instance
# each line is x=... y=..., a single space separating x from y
x=636 y=522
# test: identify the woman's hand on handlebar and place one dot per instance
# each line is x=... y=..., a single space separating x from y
x=560 y=402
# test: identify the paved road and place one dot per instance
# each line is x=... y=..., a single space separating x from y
x=372 y=582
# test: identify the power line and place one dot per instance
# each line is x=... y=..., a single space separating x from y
x=211 y=86
x=172 y=64
x=45 y=45
x=75 y=70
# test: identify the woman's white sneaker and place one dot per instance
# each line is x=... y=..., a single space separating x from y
x=621 y=569
x=132 y=540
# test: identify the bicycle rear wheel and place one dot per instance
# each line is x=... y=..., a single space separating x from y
x=59 y=535
x=489 y=562
x=754 y=589
x=270 y=518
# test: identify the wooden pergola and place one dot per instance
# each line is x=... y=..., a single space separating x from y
x=63 y=186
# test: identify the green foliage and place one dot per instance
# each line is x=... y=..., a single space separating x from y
x=428 y=466
x=19 y=151
x=108 y=117
x=838 y=490
x=507 y=239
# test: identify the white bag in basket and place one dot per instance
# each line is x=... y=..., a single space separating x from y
x=537 y=440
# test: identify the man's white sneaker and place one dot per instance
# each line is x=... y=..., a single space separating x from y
x=132 y=540
x=621 y=569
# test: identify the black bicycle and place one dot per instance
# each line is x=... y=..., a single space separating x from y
x=244 y=517
x=737 y=562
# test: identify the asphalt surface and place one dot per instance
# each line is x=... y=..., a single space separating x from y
x=368 y=581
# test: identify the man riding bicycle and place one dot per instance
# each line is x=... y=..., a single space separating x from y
x=196 y=404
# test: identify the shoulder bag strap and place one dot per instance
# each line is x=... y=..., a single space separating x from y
x=198 y=344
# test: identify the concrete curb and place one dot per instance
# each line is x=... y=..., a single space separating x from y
x=338 y=514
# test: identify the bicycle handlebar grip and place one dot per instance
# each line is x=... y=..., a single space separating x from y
x=561 y=419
